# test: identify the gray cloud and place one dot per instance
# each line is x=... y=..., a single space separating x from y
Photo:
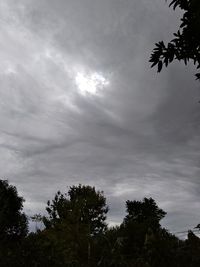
x=139 y=136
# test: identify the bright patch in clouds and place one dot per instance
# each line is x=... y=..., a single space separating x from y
x=90 y=83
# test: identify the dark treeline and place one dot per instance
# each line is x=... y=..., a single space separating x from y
x=75 y=234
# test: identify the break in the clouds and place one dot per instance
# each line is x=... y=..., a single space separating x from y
x=80 y=104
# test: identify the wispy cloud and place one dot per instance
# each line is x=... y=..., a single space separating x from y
x=138 y=136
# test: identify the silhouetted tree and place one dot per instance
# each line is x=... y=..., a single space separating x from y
x=13 y=223
x=81 y=205
x=76 y=235
x=140 y=227
x=185 y=45
x=145 y=211
x=13 y=226
x=188 y=254
x=74 y=221
x=110 y=248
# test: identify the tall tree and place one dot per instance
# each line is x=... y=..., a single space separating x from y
x=81 y=205
x=13 y=223
x=185 y=46
x=13 y=226
x=74 y=222
x=145 y=211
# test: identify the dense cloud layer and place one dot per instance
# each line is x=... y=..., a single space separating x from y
x=137 y=136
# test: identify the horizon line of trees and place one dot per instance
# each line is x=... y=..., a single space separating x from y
x=76 y=234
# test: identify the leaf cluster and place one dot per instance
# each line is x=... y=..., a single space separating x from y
x=185 y=46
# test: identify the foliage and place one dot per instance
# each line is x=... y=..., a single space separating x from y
x=185 y=46
x=74 y=220
x=76 y=235
x=81 y=206
x=13 y=223
x=144 y=212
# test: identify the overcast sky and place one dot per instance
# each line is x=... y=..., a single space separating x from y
x=80 y=104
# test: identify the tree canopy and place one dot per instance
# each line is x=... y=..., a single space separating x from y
x=185 y=46
x=145 y=211
x=13 y=223
x=76 y=234
x=82 y=204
